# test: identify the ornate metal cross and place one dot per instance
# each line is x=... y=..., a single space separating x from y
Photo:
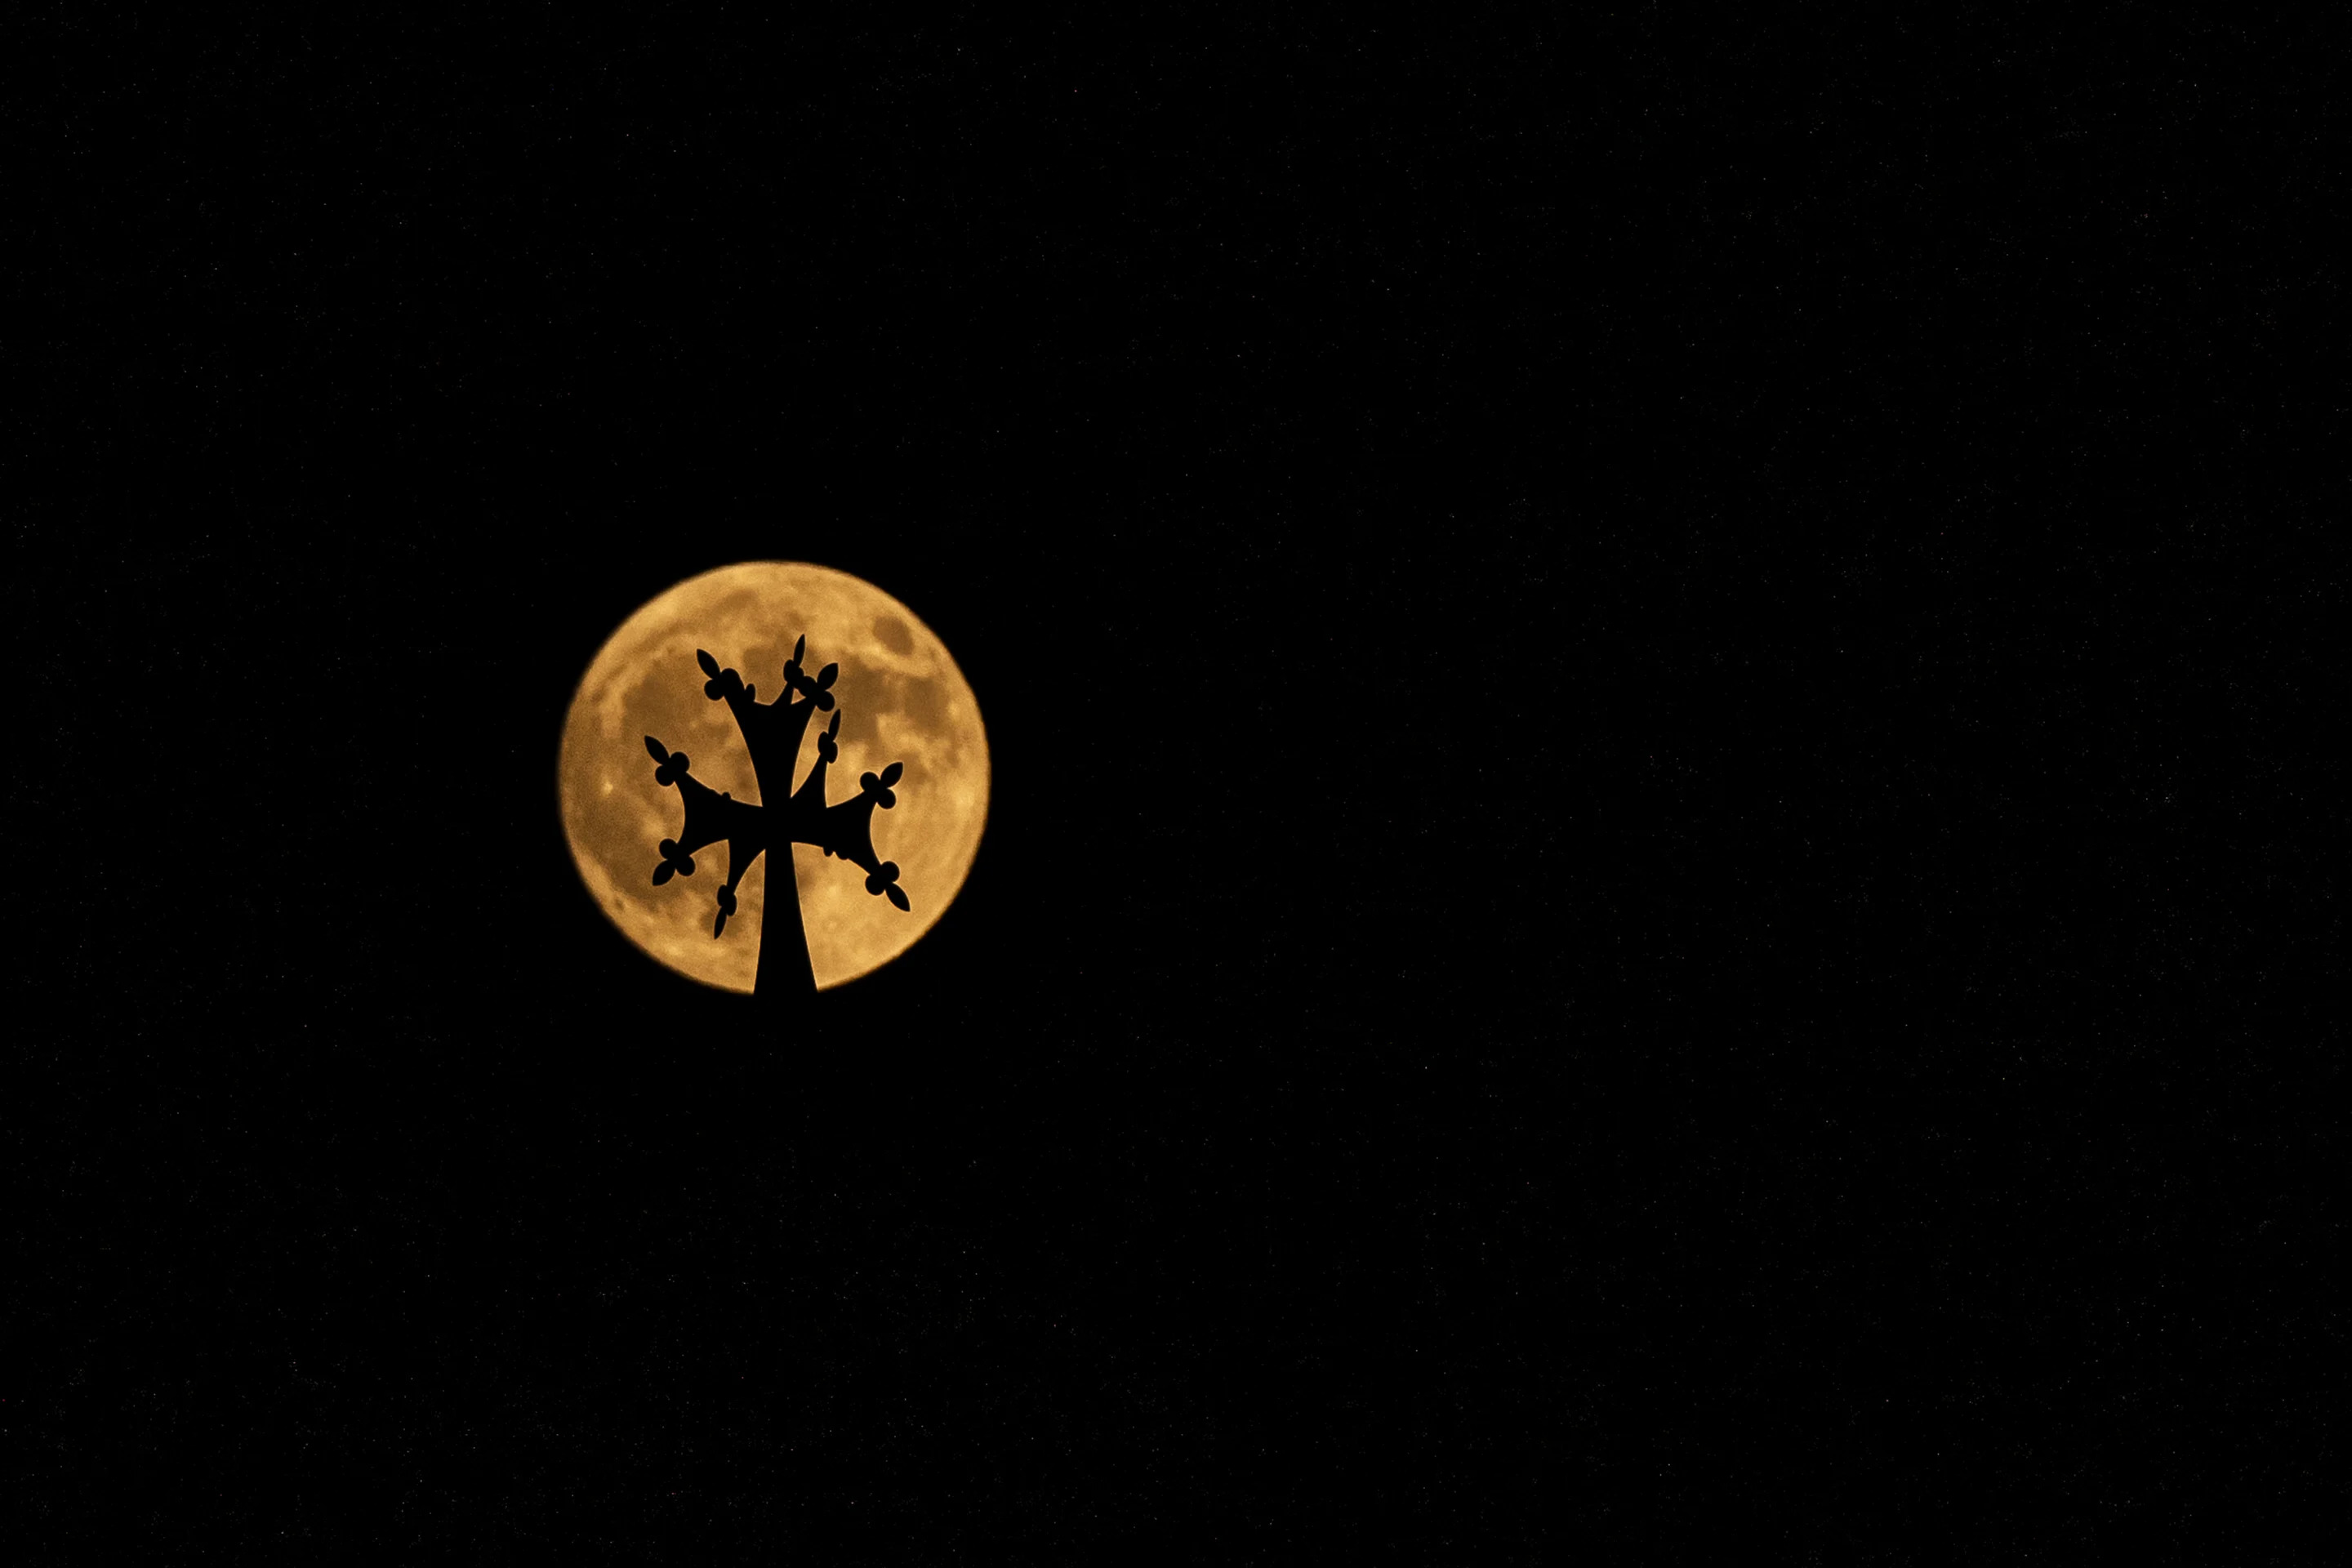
x=772 y=732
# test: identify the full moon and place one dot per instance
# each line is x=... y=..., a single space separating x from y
x=901 y=698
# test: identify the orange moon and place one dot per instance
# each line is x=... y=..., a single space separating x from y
x=901 y=698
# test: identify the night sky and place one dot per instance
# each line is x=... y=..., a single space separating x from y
x=1658 y=825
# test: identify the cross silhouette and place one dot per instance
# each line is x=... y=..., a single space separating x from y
x=772 y=732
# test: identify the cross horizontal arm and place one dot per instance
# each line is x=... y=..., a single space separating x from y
x=712 y=815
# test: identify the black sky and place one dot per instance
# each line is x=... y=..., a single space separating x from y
x=1654 y=846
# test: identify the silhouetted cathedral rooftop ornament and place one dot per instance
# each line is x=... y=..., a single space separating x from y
x=773 y=734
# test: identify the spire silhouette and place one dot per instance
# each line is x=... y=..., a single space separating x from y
x=773 y=734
